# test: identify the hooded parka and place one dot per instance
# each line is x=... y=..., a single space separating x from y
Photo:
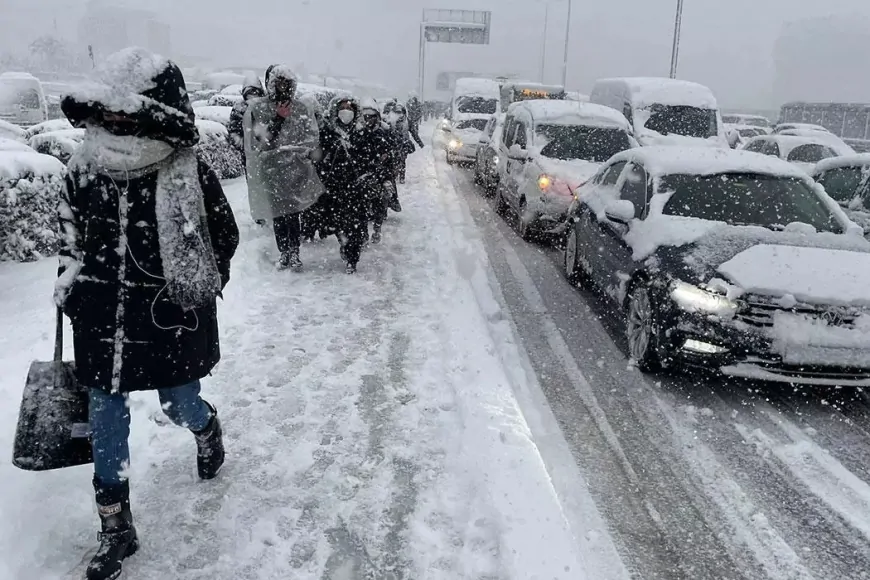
x=130 y=333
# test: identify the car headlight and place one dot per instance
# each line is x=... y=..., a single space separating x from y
x=454 y=144
x=694 y=299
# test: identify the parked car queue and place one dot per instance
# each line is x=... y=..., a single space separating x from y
x=735 y=261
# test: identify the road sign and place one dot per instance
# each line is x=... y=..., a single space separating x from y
x=457 y=26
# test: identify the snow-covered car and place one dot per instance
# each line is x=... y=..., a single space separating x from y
x=217 y=114
x=548 y=149
x=834 y=142
x=215 y=148
x=59 y=144
x=463 y=138
x=46 y=127
x=10 y=131
x=30 y=186
x=22 y=99
x=798 y=127
x=748 y=120
x=738 y=135
x=726 y=260
x=664 y=111
x=802 y=151
x=486 y=161
x=847 y=181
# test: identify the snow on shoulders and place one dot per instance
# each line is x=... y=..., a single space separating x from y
x=647 y=91
x=16 y=164
x=861 y=160
x=666 y=160
x=121 y=79
x=571 y=113
x=13 y=145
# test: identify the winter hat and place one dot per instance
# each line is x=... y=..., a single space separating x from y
x=279 y=73
x=141 y=85
x=332 y=109
x=253 y=86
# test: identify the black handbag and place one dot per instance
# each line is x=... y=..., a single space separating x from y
x=53 y=430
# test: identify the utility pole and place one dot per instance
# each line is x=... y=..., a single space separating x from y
x=675 y=50
x=567 y=46
x=544 y=41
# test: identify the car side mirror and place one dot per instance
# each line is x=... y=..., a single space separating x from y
x=620 y=211
x=517 y=153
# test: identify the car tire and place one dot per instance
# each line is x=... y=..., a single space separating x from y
x=641 y=329
x=501 y=205
x=574 y=270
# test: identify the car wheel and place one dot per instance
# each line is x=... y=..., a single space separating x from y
x=501 y=206
x=641 y=329
x=574 y=271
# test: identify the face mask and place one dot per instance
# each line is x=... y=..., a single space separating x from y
x=345 y=116
x=393 y=117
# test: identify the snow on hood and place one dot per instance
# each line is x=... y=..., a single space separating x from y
x=218 y=114
x=649 y=138
x=11 y=131
x=468 y=136
x=16 y=164
x=809 y=274
x=575 y=172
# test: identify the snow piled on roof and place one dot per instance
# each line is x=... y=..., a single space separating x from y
x=571 y=112
x=477 y=87
x=16 y=164
x=120 y=80
x=18 y=76
x=47 y=126
x=211 y=128
x=69 y=138
x=862 y=160
x=665 y=160
x=647 y=91
x=787 y=143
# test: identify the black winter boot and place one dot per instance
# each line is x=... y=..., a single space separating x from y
x=295 y=262
x=118 y=539
x=210 y=452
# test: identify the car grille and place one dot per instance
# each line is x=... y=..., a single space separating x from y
x=761 y=314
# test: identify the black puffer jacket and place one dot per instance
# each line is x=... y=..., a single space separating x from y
x=338 y=168
x=375 y=153
x=128 y=336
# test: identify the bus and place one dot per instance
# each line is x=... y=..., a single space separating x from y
x=514 y=92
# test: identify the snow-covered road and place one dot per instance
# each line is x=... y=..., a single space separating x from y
x=383 y=425
x=697 y=478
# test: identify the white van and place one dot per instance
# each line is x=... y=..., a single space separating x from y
x=665 y=111
x=475 y=101
x=22 y=100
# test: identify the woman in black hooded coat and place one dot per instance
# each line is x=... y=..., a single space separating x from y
x=148 y=238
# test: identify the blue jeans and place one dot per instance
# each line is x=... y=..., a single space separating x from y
x=109 y=417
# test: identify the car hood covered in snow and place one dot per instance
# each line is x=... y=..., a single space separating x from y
x=575 y=172
x=821 y=268
x=810 y=275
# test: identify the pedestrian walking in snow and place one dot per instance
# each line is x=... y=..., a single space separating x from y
x=253 y=89
x=397 y=118
x=415 y=116
x=340 y=172
x=375 y=154
x=147 y=241
x=282 y=145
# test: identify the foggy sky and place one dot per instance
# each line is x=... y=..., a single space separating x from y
x=725 y=45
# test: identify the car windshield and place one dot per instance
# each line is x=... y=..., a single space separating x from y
x=479 y=124
x=747 y=199
x=13 y=94
x=595 y=144
x=810 y=153
x=842 y=183
x=749 y=133
x=477 y=105
x=682 y=120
